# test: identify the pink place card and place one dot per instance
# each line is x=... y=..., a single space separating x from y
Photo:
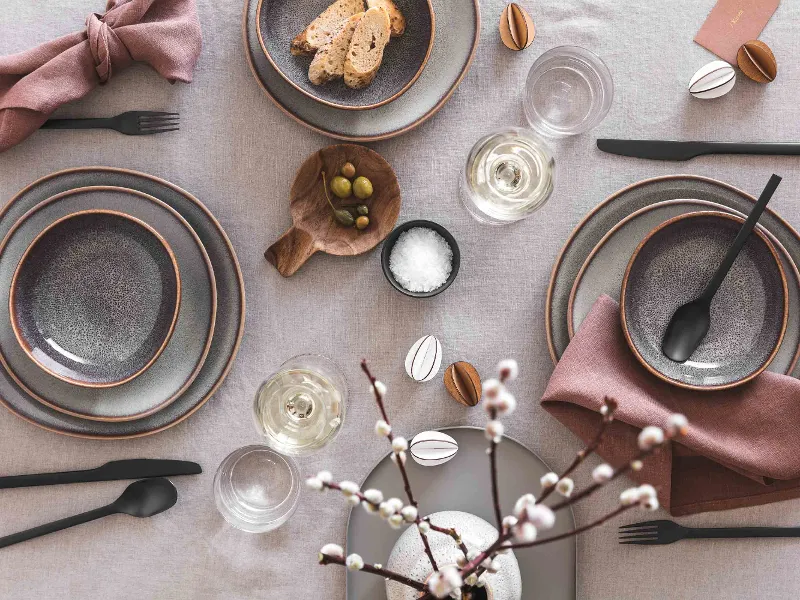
x=731 y=23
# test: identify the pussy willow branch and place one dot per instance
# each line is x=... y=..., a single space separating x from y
x=326 y=559
x=359 y=495
x=400 y=465
x=452 y=533
x=590 y=447
x=498 y=512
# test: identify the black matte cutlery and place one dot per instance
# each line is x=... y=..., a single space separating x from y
x=654 y=533
x=665 y=150
x=139 y=468
x=141 y=499
x=137 y=122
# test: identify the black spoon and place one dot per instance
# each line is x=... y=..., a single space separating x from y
x=141 y=499
x=690 y=323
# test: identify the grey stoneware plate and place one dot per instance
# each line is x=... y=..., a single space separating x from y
x=457 y=32
x=621 y=204
x=749 y=312
x=228 y=327
x=404 y=58
x=548 y=572
x=183 y=356
x=604 y=269
x=95 y=298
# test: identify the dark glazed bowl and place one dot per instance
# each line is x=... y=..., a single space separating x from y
x=95 y=297
x=390 y=242
x=404 y=59
x=749 y=313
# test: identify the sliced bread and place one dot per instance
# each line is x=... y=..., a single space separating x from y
x=328 y=64
x=396 y=18
x=366 y=50
x=322 y=29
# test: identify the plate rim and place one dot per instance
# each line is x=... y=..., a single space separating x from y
x=663 y=204
x=367 y=138
x=363 y=480
x=395 y=96
x=239 y=277
x=548 y=312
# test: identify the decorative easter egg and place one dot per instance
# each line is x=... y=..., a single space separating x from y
x=424 y=359
x=463 y=383
x=713 y=80
x=516 y=27
x=432 y=448
x=757 y=61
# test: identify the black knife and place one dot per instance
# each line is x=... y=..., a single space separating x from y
x=664 y=150
x=139 y=468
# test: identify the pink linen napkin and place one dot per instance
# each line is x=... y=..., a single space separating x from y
x=743 y=445
x=163 y=33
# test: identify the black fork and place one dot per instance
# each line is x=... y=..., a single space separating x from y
x=667 y=532
x=135 y=122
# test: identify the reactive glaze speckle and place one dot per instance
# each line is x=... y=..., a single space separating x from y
x=403 y=61
x=95 y=298
x=748 y=314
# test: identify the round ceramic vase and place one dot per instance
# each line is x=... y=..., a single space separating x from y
x=408 y=556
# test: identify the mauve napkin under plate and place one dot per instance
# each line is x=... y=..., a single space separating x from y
x=403 y=59
x=604 y=269
x=621 y=204
x=457 y=33
x=186 y=351
x=463 y=484
x=230 y=294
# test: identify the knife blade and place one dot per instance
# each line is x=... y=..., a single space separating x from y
x=670 y=150
x=138 y=468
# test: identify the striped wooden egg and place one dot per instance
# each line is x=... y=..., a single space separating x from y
x=432 y=448
x=715 y=79
x=424 y=359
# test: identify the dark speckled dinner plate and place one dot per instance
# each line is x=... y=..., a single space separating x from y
x=403 y=60
x=95 y=298
x=230 y=291
x=749 y=312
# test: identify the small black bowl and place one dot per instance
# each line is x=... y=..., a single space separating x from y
x=389 y=244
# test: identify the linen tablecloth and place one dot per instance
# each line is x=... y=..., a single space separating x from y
x=238 y=153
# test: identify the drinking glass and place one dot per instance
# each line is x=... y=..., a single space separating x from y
x=509 y=175
x=569 y=91
x=257 y=489
x=301 y=407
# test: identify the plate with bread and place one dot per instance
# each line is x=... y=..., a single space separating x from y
x=348 y=54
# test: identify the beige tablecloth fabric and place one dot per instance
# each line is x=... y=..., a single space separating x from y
x=237 y=152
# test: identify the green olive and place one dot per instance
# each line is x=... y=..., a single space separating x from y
x=362 y=188
x=362 y=222
x=341 y=186
x=349 y=170
x=362 y=209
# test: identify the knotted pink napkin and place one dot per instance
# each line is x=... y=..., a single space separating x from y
x=162 y=33
x=743 y=444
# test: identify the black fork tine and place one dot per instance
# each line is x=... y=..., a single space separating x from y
x=150 y=113
x=639 y=536
x=153 y=131
x=640 y=524
x=159 y=125
x=652 y=542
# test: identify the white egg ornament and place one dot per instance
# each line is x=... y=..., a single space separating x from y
x=424 y=359
x=432 y=448
x=713 y=80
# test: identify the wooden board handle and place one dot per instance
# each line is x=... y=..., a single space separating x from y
x=291 y=251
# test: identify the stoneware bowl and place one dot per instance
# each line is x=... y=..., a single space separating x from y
x=95 y=297
x=749 y=313
x=386 y=254
x=404 y=59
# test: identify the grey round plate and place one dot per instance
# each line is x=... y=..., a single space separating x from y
x=604 y=269
x=186 y=351
x=95 y=298
x=403 y=60
x=548 y=572
x=672 y=266
x=457 y=32
x=230 y=293
x=621 y=204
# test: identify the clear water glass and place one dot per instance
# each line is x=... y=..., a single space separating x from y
x=301 y=407
x=569 y=91
x=257 y=489
x=509 y=175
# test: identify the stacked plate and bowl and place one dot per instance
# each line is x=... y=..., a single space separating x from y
x=420 y=71
x=654 y=246
x=111 y=283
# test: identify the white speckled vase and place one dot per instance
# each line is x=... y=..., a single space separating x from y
x=408 y=556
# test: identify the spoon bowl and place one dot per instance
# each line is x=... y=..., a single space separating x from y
x=147 y=498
